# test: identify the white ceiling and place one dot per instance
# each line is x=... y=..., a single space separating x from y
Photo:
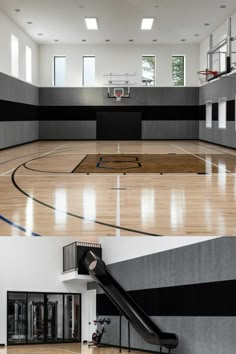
x=119 y=20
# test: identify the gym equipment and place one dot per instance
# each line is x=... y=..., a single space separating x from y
x=146 y=328
x=97 y=336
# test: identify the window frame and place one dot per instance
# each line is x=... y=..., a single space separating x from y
x=28 y=79
x=88 y=56
x=224 y=100
x=178 y=55
x=15 y=71
x=54 y=69
x=155 y=69
x=207 y=104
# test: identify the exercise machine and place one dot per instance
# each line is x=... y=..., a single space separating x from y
x=97 y=336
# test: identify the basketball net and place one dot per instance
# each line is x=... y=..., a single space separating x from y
x=118 y=97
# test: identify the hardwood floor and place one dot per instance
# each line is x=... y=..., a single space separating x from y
x=73 y=348
x=40 y=196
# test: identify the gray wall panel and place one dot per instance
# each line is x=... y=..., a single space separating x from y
x=140 y=96
x=197 y=335
x=224 y=87
x=226 y=137
x=15 y=133
x=67 y=130
x=15 y=90
x=207 y=261
x=170 y=129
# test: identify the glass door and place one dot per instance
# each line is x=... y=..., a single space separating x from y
x=72 y=313
x=54 y=323
x=16 y=318
x=35 y=318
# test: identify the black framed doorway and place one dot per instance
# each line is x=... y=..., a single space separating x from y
x=119 y=125
x=37 y=318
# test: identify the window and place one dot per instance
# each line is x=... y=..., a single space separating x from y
x=28 y=64
x=148 y=70
x=222 y=113
x=59 y=71
x=208 y=114
x=178 y=70
x=14 y=56
x=89 y=71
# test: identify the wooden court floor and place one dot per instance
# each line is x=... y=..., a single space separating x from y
x=73 y=348
x=40 y=196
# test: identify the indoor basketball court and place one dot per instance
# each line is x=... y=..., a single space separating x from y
x=117 y=130
x=118 y=188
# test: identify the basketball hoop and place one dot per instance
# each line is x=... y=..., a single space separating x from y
x=204 y=75
x=118 y=93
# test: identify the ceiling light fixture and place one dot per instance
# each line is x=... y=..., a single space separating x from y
x=196 y=35
x=131 y=40
x=91 y=23
x=206 y=24
x=183 y=40
x=40 y=34
x=154 y=40
x=29 y=23
x=84 y=40
x=56 y=40
x=223 y=6
x=108 y=40
x=147 y=24
x=17 y=10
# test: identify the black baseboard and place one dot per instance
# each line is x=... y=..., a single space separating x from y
x=13 y=146
x=210 y=142
x=135 y=349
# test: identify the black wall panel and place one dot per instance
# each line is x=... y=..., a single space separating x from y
x=207 y=299
x=119 y=125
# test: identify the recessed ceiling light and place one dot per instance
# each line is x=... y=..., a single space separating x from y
x=131 y=40
x=56 y=40
x=223 y=6
x=108 y=40
x=206 y=24
x=29 y=23
x=154 y=40
x=17 y=10
x=147 y=23
x=183 y=40
x=84 y=40
x=196 y=35
x=40 y=34
x=91 y=23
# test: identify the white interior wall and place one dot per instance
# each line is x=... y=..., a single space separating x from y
x=8 y=27
x=124 y=248
x=218 y=34
x=117 y=59
x=35 y=264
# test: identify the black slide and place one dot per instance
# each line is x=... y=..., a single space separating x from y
x=146 y=328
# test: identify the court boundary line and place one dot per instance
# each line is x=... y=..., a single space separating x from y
x=17 y=226
x=13 y=179
x=201 y=158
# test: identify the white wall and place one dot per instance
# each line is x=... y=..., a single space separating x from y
x=117 y=59
x=120 y=249
x=35 y=264
x=218 y=34
x=8 y=27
